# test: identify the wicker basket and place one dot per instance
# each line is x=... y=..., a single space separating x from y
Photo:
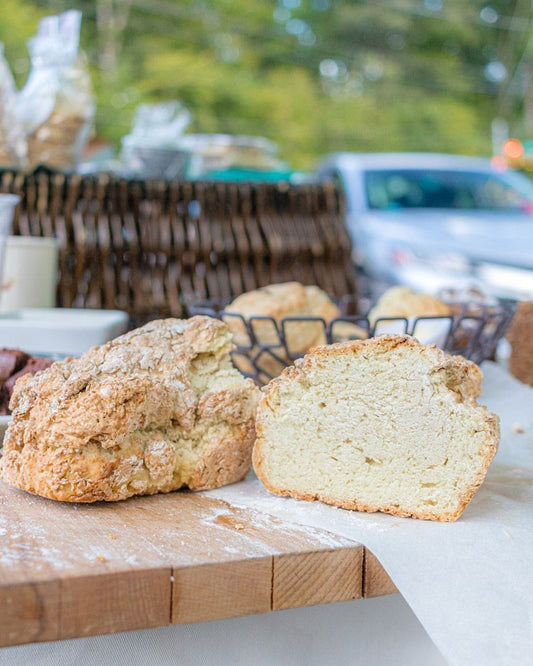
x=149 y=247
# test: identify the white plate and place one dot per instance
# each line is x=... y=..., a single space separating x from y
x=60 y=330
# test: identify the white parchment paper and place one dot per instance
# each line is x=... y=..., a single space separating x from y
x=470 y=583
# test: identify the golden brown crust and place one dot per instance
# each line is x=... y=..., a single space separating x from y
x=278 y=301
x=460 y=376
x=275 y=300
x=402 y=302
x=382 y=344
x=154 y=410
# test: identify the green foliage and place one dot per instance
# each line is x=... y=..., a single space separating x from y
x=395 y=76
x=18 y=19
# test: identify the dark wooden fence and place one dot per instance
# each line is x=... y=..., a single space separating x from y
x=151 y=247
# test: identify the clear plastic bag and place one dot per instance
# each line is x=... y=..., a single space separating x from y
x=152 y=149
x=12 y=139
x=57 y=104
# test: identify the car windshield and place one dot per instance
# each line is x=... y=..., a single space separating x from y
x=418 y=188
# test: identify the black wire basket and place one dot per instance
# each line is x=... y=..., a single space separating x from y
x=266 y=346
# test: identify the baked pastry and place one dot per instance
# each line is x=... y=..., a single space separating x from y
x=386 y=424
x=402 y=302
x=520 y=337
x=289 y=299
x=278 y=301
x=154 y=410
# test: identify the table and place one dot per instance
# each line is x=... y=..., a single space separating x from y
x=71 y=570
x=475 y=599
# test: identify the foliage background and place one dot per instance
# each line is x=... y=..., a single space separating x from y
x=313 y=75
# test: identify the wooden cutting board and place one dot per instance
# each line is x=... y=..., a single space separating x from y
x=71 y=570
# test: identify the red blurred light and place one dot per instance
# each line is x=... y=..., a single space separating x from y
x=499 y=163
x=513 y=149
x=401 y=256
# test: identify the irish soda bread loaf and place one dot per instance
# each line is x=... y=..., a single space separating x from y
x=385 y=424
x=288 y=299
x=278 y=301
x=402 y=302
x=154 y=410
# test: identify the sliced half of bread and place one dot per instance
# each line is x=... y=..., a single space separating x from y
x=385 y=424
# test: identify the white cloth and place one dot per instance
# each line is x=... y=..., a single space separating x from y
x=373 y=632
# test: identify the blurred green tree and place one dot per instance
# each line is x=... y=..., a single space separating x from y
x=312 y=75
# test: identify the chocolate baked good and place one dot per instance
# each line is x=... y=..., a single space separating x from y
x=11 y=361
x=15 y=363
x=154 y=410
x=386 y=424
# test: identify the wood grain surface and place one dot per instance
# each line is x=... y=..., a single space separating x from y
x=69 y=570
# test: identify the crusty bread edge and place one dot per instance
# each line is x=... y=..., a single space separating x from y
x=212 y=470
x=388 y=343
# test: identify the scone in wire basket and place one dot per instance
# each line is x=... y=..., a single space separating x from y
x=265 y=346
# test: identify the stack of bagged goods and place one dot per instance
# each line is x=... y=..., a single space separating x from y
x=56 y=106
x=385 y=424
x=155 y=410
x=279 y=301
x=520 y=338
x=12 y=140
x=14 y=363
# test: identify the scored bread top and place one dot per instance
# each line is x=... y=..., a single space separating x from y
x=109 y=424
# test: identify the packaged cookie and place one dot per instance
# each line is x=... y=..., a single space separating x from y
x=56 y=105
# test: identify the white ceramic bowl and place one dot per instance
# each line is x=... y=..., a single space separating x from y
x=63 y=331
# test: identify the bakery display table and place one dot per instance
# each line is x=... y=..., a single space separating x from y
x=232 y=555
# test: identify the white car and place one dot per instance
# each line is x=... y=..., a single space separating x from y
x=438 y=221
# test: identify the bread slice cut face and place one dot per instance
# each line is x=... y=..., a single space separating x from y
x=155 y=410
x=385 y=424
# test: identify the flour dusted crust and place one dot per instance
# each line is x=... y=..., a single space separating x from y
x=386 y=424
x=155 y=410
x=402 y=302
x=288 y=299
